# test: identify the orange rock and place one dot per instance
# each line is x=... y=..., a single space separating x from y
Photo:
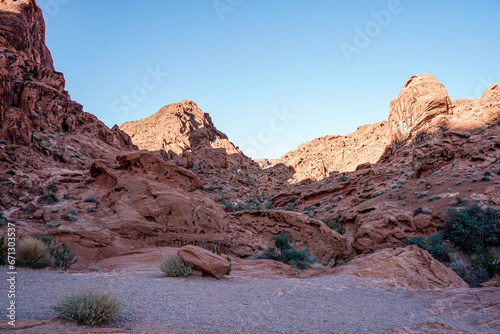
x=204 y=260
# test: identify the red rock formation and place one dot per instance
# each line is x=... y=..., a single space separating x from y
x=204 y=260
x=254 y=229
x=422 y=107
x=32 y=92
x=409 y=267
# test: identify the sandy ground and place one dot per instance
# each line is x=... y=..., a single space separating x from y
x=239 y=303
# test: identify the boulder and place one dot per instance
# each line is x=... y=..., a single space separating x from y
x=204 y=260
x=409 y=267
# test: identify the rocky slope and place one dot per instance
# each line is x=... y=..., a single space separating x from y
x=187 y=137
x=422 y=107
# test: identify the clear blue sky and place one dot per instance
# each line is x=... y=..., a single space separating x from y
x=264 y=56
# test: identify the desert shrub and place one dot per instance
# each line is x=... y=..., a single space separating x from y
x=472 y=228
x=298 y=259
x=67 y=196
x=2 y=219
x=433 y=244
x=270 y=253
x=173 y=266
x=93 y=267
x=282 y=241
x=10 y=172
x=71 y=214
x=32 y=253
x=61 y=254
x=216 y=250
x=90 y=199
x=52 y=188
x=485 y=259
x=3 y=251
x=472 y=276
x=91 y=307
x=90 y=209
x=333 y=224
x=424 y=211
x=286 y=254
x=50 y=198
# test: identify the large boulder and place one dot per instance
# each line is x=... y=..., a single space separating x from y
x=421 y=99
x=409 y=267
x=204 y=260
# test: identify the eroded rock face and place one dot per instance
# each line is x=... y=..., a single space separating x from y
x=423 y=108
x=253 y=230
x=321 y=157
x=204 y=260
x=421 y=99
x=409 y=267
x=32 y=92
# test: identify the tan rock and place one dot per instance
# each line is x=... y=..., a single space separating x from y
x=204 y=260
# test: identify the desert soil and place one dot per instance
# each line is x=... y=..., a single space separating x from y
x=235 y=304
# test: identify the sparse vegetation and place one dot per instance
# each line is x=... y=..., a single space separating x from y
x=173 y=266
x=10 y=172
x=286 y=254
x=464 y=245
x=343 y=178
x=61 y=254
x=71 y=214
x=2 y=219
x=90 y=199
x=53 y=188
x=50 y=198
x=67 y=196
x=433 y=244
x=90 y=307
x=334 y=224
x=424 y=211
x=90 y=209
x=93 y=267
x=251 y=204
x=32 y=253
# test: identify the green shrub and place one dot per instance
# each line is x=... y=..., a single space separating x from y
x=298 y=259
x=282 y=241
x=90 y=308
x=50 y=198
x=61 y=254
x=333 y=224
x=90 y=199
x=488 y=261
x=67 y=196
x=472 y=228
x=173 y=266
x=71 y=215
x=270 y=253
x=53 y=188
x=287 y=254
x=433 y=244
x=10 y=172
x=32 y=253
x=90 y=209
